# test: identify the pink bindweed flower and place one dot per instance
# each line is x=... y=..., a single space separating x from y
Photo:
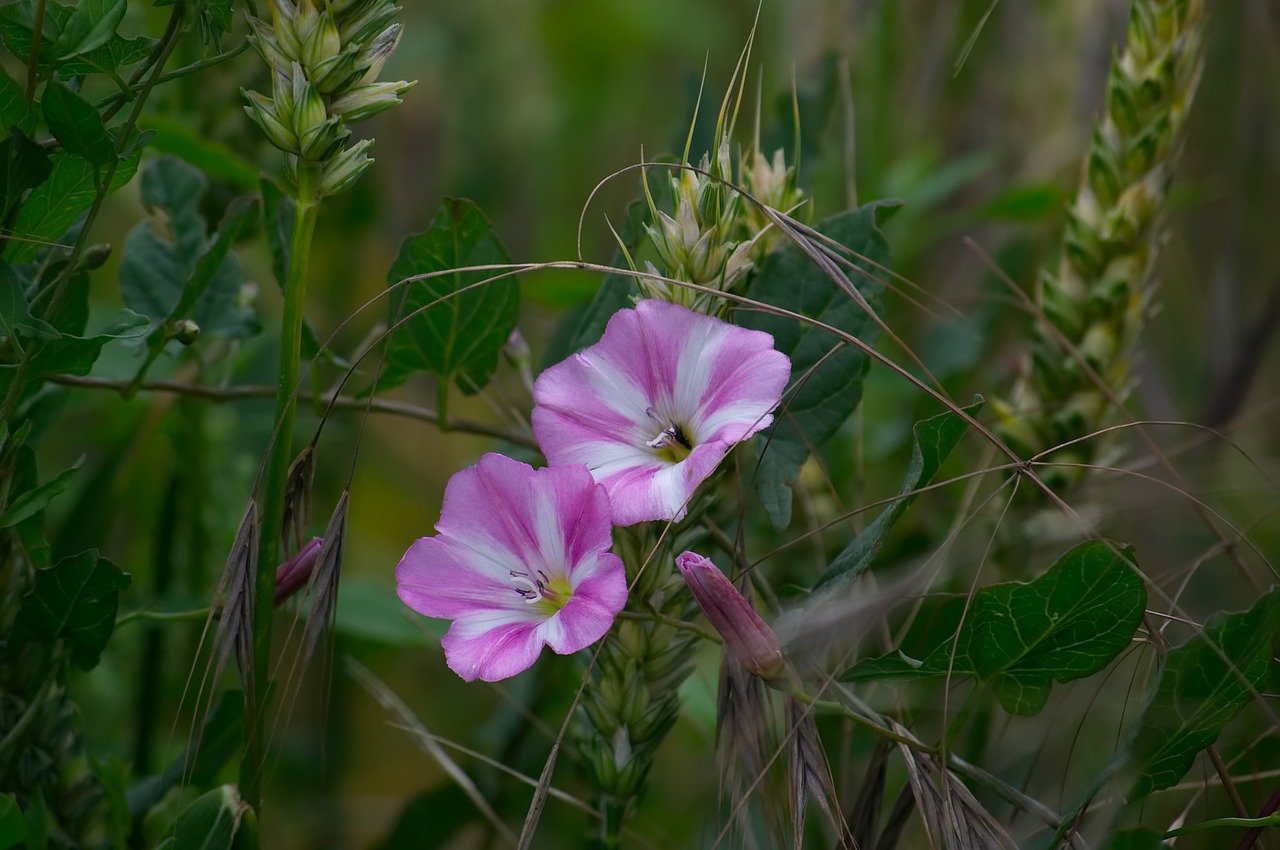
x=748 y=637
x=293 y=574
x=521 y=560
x=654 y=406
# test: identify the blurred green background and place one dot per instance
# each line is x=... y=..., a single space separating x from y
x=978 y=124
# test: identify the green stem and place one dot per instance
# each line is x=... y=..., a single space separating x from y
x=614 y=813
x=1223 y=823
x=279 y=459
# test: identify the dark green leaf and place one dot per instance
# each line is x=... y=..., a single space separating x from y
x=15 y=311
x=14 y=109
x=1020 y=638
x=26 y=504
x=119 y=52
x=820 y=397
x=216 y=159
x=369 y=610
x=13 y=827
x=91 y=25
x=1204 y=684
x=932 y=441
x=76 y=355
x=170 y=270
x=26 y=166
x=76 y=601
x=31 y=530
x=53 y=206
x=458 y=338
x=76 y=124
x=17 y=22
x=209 y=823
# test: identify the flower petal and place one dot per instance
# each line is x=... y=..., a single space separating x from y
x=490 y=648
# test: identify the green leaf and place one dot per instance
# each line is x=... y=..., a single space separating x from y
x=458 y=338
x=819 y=401
x=14 y=109
x=216 y=159
x=119 y=52
x=15 y=310
x=1204 y=684
x=210 y=822
x=76 y=124
x=76 y=355
x=26 y=166
x=26 y=504
x=76 y=601
x=13 y=826
x=91 y=25
x=1019 y=638
x=54 y=206
x=170 y=270
x=932 y=442
x=17 y=22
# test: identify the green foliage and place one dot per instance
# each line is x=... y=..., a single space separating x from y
x=173 y=268
x=24 y=504
x=1134 y=839
x=218 y=741
x=76 y=125
x=1204 y=684
x=826 y=375
x=15 y=312
x=13 y=827
x=91 y=25
x=78 y=38
x=54 y=205
x=75 y=601
x=14 y=109
x=209 y=823
x=458 y=337
x=26 y=165
x=216 y=159
x=1021 y=638
x=933 y=440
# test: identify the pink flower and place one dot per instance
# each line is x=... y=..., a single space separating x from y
x=653 y=407
x=748 y=637
x=521 y=560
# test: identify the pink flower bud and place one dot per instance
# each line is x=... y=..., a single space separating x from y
x=293 y=574
x=747 y=636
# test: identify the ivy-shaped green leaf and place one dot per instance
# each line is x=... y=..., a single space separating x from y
x=76 y=124
x=458 y=337
x=826 y=375
x=171 y=268
x=75 y=601
x=14 y=109
x=119 y=52
x=54 y=205
x=1019 y=638
x=1204 y=683
x=932 y=442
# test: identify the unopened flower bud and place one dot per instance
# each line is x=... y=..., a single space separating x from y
x=293 y=574
x=94 y=256
x=308 y=111
x=345 y=168
x=264 y=40
x=368 y=100
x=261 y=110
x=745 y=635
x=185 y=331
x=283 y=23
x=323 y=140
x=378 y=51
x=323 y=43
x=369 y=23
